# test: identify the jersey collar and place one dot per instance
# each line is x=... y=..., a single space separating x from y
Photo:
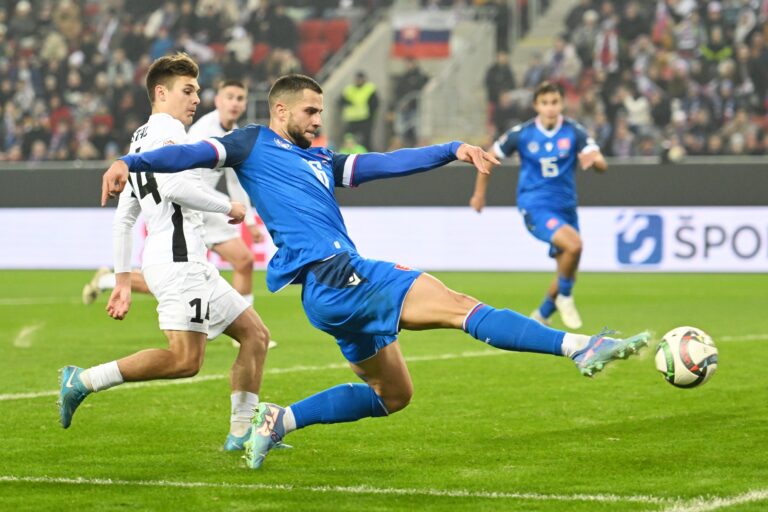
x=553 y=131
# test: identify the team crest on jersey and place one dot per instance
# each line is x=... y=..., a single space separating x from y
x=282 y=143
x=548 y=146
x=533 y=147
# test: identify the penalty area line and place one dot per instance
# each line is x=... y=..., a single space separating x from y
x=356 y=489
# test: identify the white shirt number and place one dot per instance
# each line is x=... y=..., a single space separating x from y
x=317 y=168
x=549 y=167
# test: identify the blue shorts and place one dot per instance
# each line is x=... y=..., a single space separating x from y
x=544 y=222
x=357 y=301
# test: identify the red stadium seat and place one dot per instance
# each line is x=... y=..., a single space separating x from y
x=311 y=30
x=259 y=53
x=336 y=32
x=312 y=55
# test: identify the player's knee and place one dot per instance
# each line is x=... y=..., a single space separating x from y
x=243 y=262
x=188 y=366
x=254 y=335
x=574 y=246
x=398 y=401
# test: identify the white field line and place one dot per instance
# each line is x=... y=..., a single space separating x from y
x=744 y=337
x=706 y=504
x=357 y=489
x=269 y=371
x=24 y=338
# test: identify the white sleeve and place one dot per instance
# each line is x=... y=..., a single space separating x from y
x=237 y=193
x=185 y=189
x=128 y=209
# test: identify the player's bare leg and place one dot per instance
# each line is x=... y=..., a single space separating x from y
x=569 y=243
x=388 y=389
x=388 y=375
x=182 y=358
x=236 y=253
x=246 y=374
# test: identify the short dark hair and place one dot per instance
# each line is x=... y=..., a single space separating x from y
x=288 y=85
x=165 y=70
x=546 y=87
x=230 y=83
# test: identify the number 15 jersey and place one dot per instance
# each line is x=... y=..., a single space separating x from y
x=548 y=160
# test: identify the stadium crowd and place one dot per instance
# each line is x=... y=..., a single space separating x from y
x=669 y=77
x=71 y=71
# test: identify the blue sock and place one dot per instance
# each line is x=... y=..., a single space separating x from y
x=564 y=286
x=507 y=330
x=547 y=307
x=339 y=404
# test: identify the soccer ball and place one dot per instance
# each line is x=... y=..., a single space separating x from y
x=687 y=357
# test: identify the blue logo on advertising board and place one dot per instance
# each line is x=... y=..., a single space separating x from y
x=640 y=238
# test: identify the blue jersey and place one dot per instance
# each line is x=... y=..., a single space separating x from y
x=548 y=160
x=293 y=188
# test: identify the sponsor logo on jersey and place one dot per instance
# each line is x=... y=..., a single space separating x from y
x=533 y=147
x=402 y=267
x=639 y=238
x=282 y=143
x=168 y=142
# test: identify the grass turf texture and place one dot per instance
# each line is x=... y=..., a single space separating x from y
x=528 y=427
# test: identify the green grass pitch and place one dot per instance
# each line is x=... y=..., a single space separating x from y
x=486 y=430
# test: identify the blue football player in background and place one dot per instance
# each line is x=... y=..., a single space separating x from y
x=362 y=303
x=549 y=146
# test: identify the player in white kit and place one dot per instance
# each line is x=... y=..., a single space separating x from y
x=219 y=235
x=194 y=301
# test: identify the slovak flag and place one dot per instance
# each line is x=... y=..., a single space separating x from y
x=423 y=34
x=563 y=144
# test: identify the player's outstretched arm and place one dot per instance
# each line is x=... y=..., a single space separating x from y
x=475 y=155
x=357 y=169
x=173 y=158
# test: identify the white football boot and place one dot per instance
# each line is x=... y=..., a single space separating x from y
x=568 y=312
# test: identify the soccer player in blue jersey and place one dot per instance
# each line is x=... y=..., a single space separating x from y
x=362 y=303
x=549 y=146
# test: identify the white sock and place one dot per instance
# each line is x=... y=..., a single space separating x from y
x=572 y=343
x=248 y=298
x=107 y=281
x=103 y=376
x=289 y=420
x=243 y=404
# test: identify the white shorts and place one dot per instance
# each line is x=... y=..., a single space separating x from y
x=192 y=296
x=217 y=229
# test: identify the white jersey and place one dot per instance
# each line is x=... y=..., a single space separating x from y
x=210 y=126
x=169 y=203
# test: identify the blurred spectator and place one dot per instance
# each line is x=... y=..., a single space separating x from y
x=498 y=78
x=359 y=103
x=350 y=145
x=563 y=65
x=585 y=35
x=405 y=107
